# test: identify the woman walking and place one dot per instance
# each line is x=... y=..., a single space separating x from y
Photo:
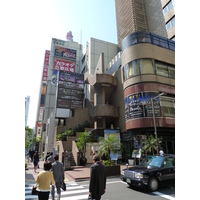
x=35 y=160
x=43 y=181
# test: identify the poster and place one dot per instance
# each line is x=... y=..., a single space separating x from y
x=139 y=105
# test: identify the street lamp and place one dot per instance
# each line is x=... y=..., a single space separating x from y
x=154 y=119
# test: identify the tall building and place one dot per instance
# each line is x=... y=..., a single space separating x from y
x=168 y=7
x=63 y=56
x=139 y=15
x=27 y=102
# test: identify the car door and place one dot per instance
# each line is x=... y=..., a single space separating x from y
x=168 y=169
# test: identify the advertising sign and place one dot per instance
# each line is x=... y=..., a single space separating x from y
x=46 y=65
x=70 y=90
x=64 y=65
x=65 y=53
x=41 y=114
x=139 y=105
x=39 y=128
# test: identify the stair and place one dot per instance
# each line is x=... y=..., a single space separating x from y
x=68 y=161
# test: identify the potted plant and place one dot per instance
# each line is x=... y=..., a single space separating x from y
x=106 y=147
x=83 y=138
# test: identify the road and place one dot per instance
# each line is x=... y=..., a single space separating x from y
x=115 y=189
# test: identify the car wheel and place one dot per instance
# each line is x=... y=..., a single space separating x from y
x=153 y=184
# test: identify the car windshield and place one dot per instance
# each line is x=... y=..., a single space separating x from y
x=153 y=161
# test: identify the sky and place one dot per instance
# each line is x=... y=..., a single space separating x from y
x=35 y=23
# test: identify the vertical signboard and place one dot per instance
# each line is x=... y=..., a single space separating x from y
x=70 y=90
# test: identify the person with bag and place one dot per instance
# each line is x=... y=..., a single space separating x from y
x=43 y=181
x=97 y=186
x=58 y=174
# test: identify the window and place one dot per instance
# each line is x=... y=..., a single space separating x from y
x=171 y=72
x=161 y=69
x=125 y=72
x=133 y=69
x=169 y=162
x=146 y=66
x=167 y=8
x=170 y=24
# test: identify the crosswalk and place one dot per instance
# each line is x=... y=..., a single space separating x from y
x=73 y=192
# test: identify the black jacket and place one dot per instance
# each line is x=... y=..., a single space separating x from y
x=97 y=179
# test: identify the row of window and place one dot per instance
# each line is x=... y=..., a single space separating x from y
x=148 y=66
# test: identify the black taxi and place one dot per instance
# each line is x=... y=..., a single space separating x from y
x=152 y=172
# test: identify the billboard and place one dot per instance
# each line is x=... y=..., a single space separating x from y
x=64 y=65
x=46 y=65
x=70 y=91
x=138 y=105
x=65 y=53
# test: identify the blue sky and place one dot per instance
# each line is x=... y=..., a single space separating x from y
x=40 y=21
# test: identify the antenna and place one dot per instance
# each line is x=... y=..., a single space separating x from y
x=81 y=37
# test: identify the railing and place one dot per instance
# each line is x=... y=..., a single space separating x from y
x=147 y=37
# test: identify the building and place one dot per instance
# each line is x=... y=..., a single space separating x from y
x=27 y=103
x=139 y=15
x=168 y=7
x=63 y=56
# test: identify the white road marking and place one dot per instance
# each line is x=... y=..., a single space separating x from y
x=163 y=195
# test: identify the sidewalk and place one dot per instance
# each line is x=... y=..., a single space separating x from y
x=78 y=173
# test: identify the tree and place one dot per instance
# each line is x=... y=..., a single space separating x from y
x=109 y=145
x=150 y=144
x=83 y=138
x=28 y=137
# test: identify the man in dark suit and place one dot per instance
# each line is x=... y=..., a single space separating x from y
x=97 y=185
x=58 y=174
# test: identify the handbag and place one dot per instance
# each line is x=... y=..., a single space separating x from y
x=63 y=186
x=34 y=191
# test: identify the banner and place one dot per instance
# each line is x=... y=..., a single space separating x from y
x=139 y=105
x=64 y=65
x=39 y=128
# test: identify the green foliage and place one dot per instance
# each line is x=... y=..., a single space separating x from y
x=81 y=127
x=150 y=144
x=28 y=137
x=108 y=145
x=63 y=136
x=107 y=163
x=83 y=138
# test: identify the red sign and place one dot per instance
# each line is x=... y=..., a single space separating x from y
x=46 y=65
x=64 y=65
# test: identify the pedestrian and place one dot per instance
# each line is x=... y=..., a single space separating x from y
x=35 y=160
x=48 y=154
x=97 y=186
x=58 y=174
x=51 y=158
x=43 y=180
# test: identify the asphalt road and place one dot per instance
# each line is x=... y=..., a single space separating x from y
x=116 y=189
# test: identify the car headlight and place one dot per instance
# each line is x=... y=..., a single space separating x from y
x=138 y=175
x=122 y=172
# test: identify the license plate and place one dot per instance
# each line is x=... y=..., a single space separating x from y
x=128 y=180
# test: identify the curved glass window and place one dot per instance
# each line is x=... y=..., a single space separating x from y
x=146 y=66
x=161 y=69
x=133 y=69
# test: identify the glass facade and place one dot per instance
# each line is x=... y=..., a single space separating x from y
x=148 y=66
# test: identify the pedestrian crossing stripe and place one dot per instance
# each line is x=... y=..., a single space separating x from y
x=72 y=188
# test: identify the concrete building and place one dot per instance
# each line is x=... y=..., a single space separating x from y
x=168 y=7
x=27 y=103
x=139 y=15
x=64 y=56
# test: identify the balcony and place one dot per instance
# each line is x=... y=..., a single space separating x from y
x=105 y=110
